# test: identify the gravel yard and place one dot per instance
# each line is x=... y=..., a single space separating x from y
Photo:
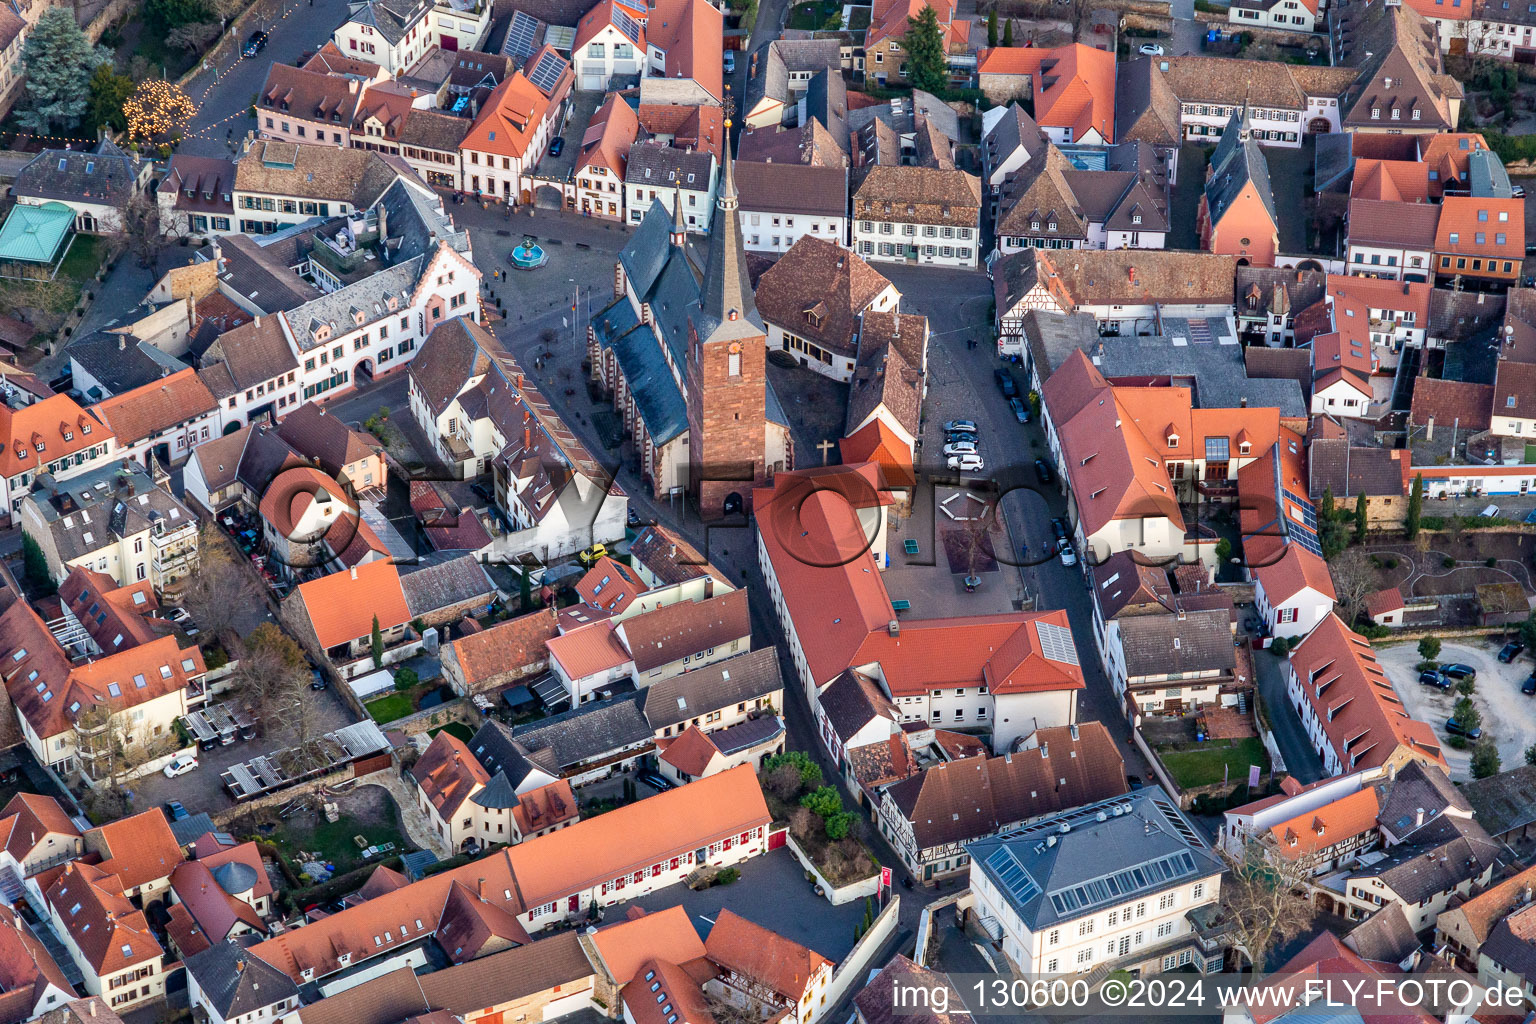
x=1509 y=716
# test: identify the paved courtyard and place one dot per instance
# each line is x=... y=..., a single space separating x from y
x=1509 y=716
x=772 y=891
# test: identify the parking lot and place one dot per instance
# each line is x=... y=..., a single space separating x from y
x=202 y=790
x=772 y=891
x=1509 y=716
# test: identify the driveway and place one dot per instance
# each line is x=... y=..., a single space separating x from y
x=1509 y=716
x=224 y=95
x=1301 y=759
x=772 y=891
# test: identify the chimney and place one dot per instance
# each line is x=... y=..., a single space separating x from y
x=354 y=572
x=1418 y=817
x=1132 y=272
x=480 y=887
x=122 y=342
x=894 y=628
x=527 y=437
x=1074 y=732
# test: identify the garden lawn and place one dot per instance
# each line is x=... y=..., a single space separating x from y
x=387 y=709
x=332 y=840
x=455 y=729
x=1201 y=764
x=812 y=15
x=83 y=259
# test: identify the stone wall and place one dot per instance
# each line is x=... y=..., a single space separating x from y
x=282 y=796
x=460 y=710
x=854 y=969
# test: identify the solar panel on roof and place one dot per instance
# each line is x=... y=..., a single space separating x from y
x=546 y=73
x=1056 y=643
x=629 y=26
x=521 y=36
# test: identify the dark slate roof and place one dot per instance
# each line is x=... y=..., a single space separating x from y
x=235 y=981
x=106 y=175
x=657 y=396
x=499 y=793
x=1013 y=130
x=1200 y=641
x=826 y=100
x=658 y=166
x=793 y=188
x=190 y=829
x=743 y=735
x=120 y=363
x=1385 y=936
x=589 y=731
x=737 y=680
x=1415 y=871
x=1091 y=849
x=392 y=18
x=455 y=351
x=500 y=755
x=852 y=701
x=1237 y=161
x=648 y=250
x=446 y=584
x=1504 y=802
x=1514 y=951
x=1414 y=787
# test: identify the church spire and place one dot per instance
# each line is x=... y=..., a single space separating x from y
x=726 y=303
x=679 y=232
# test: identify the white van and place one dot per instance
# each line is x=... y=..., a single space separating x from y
x=1489 y=513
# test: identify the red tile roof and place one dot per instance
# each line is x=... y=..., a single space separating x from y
x=291 y=494
x=534 y=872
x=1384 y=601
x=46 y=423
x=139 y=849
x=692 y=35
x=667 y=935
x=342 y=605
x=29 y=819
x=765 y=957
x=448 y=774
x=26 y=970
x=1327 y=956
x=512 y=114
x=1003 y=652
x=1315 y=830
x=1074 y=85
x=610 y=134
x=588 y=650
x=1469 y=216
x=876 y=442
x=1397 y=181
x=691 y=753
x=545 y=807
x=826 y=573
x=1361 y=715
x=159 y=405
x=111 y=933
x=1295 y=570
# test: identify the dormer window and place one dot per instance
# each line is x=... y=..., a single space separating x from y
x=1051 y=226
x=1173 y=440
x=40 y=446
x=1034 y=225
x=69 y=435
x=1135 y=218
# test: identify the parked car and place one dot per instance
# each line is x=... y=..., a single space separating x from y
x=1020 y=410
x=1529 y=686
x=1491 y=512
x=655 y=780
x=556 y=146
x=1059 y=529
x=588 y=556
x=1517 y=191
x=1151 y=50
x=180 y=766
x=960 y=448
x=1455 y=729
x=1511 y=651
x=1068 y=554
x=730 y=62
x=1044 y=473
x=967 y=463
x=256 y=43
x=636 y=519
x=960 y=435
x=1005 y=383
x=175 y=812
x=1434 y=679
x=967 y=426
x=317 y=680
x=1458 y=672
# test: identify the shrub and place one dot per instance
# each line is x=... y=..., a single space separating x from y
x=1485 y=758
x=1390 y=563
x=1490 y=562
x=405 y=678
x=1429 y=648
x=810 y=771
x=727 y=875
x=1280 y=646
x=215 y=657
x=823 y=802
x=1456 y=742
x=1373 y=631
x=838 y=825
x=1466 y=687
x=1223 y=550
x=1448 y=562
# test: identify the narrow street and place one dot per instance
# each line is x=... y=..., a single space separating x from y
x=1301 y=760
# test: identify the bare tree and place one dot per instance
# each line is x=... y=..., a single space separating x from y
x=1264 y=898
x=110 y=753
x=193 y=36
x=1354 y=578
x=220 y=587
x=141 y=234
x=271 y=674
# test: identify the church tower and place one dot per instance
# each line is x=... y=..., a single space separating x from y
x=727 y=368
